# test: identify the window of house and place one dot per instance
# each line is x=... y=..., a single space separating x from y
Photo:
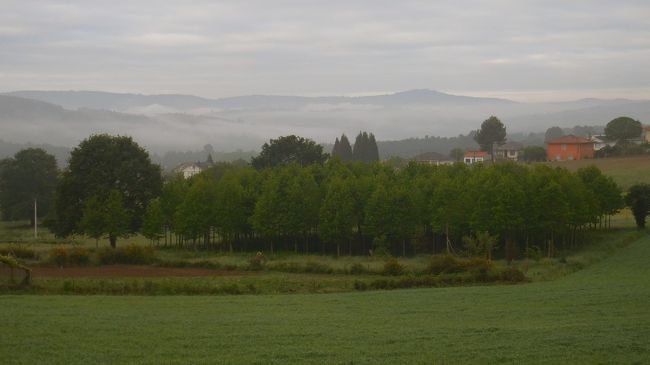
x=563 y=147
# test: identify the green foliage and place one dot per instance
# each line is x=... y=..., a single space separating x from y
x=623 y=128
x=482 y=244
x=63 y=256
x=257 y=262
x=638 y=199
x=337 y=213
x=534 y=154
x=392 y=267
x=129 y=254
x=30 y=175
x=153 y=224
x=19 y=252
x=553 y=133
x=98 y=166
x=289 y=149
x=58 y=255
x=365 y=148
x=342 y=149
x=457 y=154
x=492 y=132
x=448 y=264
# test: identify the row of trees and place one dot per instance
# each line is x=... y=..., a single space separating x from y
x=111 y=189
x=365 y=148
x=353 y=207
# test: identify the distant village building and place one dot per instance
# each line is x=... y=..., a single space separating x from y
x=189 y=169
x=472 y=157
x=509 y=151
x=569 y=148
x=646 y=130
x=433 y=158
x=601 y=141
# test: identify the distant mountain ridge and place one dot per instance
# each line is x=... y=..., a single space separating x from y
x=125 y=102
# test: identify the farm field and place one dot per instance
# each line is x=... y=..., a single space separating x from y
x=596 y=315
x=626 y=171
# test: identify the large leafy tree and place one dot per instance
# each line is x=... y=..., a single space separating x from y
x=106 y=217
x=638 y=199
x=553 y=133
x=623 y=128
x=27 y=177
x=100 y=164
x=289 y=149
x=492 y=132
x=534 y=154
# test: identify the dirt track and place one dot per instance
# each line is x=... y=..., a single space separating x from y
x=120 y=271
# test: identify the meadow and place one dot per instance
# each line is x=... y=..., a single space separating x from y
x=626 y=171
x=596 y=315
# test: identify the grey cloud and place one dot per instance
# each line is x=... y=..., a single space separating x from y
x=310 y=47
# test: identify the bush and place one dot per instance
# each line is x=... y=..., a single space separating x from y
x=443 y=264
x=78 y=256
x=357 y=269
x=257 y=262
x=318 y=268
x=393 y=267
x=58 y=255
x=512 y=275
x=129 y=254
x=19 y=252
x=447 y=264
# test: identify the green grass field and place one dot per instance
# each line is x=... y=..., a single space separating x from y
x=599 y=315
x=626 y=171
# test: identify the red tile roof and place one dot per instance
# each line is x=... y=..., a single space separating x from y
x=476 y=154
x=570 y=139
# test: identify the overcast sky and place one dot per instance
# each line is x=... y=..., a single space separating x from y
x=524 y=50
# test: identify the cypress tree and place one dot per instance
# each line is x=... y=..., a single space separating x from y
x=345 y=149
x=357 y=151
x=373 y=150
x=336 y=150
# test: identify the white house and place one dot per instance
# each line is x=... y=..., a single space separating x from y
x=509 y=151
x=188 y=169
x=475 y=156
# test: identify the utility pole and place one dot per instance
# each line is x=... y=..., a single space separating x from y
x=35 y=219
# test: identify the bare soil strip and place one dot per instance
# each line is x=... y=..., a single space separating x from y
x=120 y=271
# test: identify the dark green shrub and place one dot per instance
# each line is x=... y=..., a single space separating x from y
x=78 y=256
x=257 y=262
x=357 y=269
x=360 y=285
x=443 y=264
x=58 y=255
x=393 y=267
x=317 y=268
x=534 y=253
x=447 y=264
x=475 y=263
x=19 y=252
x=512 y=275
x=129 y=254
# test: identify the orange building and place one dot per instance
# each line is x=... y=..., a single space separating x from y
x=569 y=148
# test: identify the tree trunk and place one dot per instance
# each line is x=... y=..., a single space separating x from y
x=338 y=249
x=113 y=240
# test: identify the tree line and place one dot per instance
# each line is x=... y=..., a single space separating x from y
x=353 y=208
x=301 y=200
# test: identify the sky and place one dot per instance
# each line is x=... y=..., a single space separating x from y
x=525 y=50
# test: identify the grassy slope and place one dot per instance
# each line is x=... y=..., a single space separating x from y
x=598 y=315
x=625 y=171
